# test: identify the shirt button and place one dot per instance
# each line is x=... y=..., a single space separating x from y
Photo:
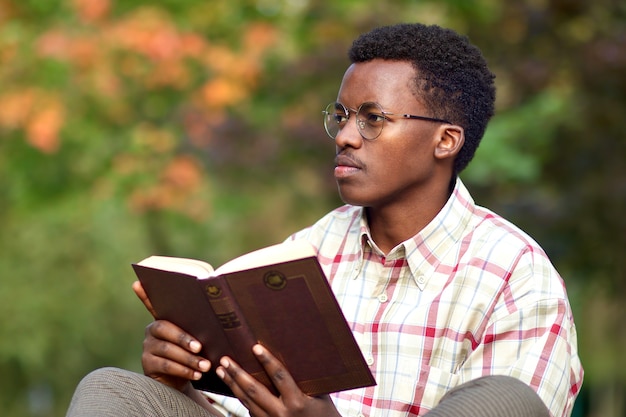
x=369 y=361
x=382 y=298
x=421 y=279
x=360 y=415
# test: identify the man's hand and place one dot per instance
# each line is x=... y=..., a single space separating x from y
x=141 y=293
x=261 y=402
x=170 y=355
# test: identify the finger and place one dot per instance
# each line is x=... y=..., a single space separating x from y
x=141 y=293
x=157 y=366
x=252 y=394
x=281 y=378
x=168 y=331
x=163 y=353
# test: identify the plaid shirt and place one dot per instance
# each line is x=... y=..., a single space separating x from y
x=470 y=295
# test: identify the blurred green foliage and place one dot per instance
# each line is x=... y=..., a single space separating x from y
x=193 y=128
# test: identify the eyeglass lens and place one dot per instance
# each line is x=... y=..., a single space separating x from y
x=370 y=119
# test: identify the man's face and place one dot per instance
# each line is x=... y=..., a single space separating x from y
x=398 y=167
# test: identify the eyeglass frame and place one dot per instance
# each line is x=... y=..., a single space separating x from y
x=384 y=113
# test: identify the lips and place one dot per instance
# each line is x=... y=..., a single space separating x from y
x=345 y=160
x=346 y=166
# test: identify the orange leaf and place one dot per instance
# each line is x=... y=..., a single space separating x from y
x=54 y=43
x=91 y=11
x=259 y=37
x=183 y=173
x=178 y=189
x=42 y=130
x=84 y=52
x=16 y=108
x=222 y=92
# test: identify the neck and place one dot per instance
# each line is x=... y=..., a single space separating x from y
x=391 y=225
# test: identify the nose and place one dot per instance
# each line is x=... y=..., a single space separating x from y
x=349 y=135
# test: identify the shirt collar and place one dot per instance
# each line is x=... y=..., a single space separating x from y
x=425 y=250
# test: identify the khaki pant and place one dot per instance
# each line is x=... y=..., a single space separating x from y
x=116 y=392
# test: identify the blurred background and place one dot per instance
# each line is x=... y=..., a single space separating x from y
x=193 y=128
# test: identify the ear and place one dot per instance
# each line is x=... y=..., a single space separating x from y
x=450 y=141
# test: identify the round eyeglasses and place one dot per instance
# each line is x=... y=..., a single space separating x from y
x=370 y=119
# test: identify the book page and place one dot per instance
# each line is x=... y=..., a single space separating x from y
x=193 y=267
x=270 y=255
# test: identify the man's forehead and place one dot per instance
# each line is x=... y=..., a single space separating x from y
x=376 y=78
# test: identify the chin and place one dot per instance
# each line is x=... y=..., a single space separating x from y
x=352 y=199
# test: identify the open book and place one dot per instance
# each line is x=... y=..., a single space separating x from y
x=277 y=296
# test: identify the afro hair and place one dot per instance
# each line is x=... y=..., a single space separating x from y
x=452 y=78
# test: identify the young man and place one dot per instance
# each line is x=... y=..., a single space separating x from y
x=457 y=311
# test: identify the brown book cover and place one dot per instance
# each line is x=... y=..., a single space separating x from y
x=277 y=296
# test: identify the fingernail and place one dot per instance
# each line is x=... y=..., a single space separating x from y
x=197 y=375
x=204 y=365
x=224 y=362
x=257 y=349
x=194 y=346
x=220 y=373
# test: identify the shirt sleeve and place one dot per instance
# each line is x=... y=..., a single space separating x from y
x=229 y=406
x=531 y=336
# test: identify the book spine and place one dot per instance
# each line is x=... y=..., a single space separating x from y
x=236 y=329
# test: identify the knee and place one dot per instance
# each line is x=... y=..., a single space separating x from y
x=103 y=378
x=495 y=395
x=103 y=374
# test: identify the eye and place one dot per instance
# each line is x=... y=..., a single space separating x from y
x=373 y=118
x=339 y=118
x=371 y=114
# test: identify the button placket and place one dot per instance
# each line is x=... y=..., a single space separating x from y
x=420 y=280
